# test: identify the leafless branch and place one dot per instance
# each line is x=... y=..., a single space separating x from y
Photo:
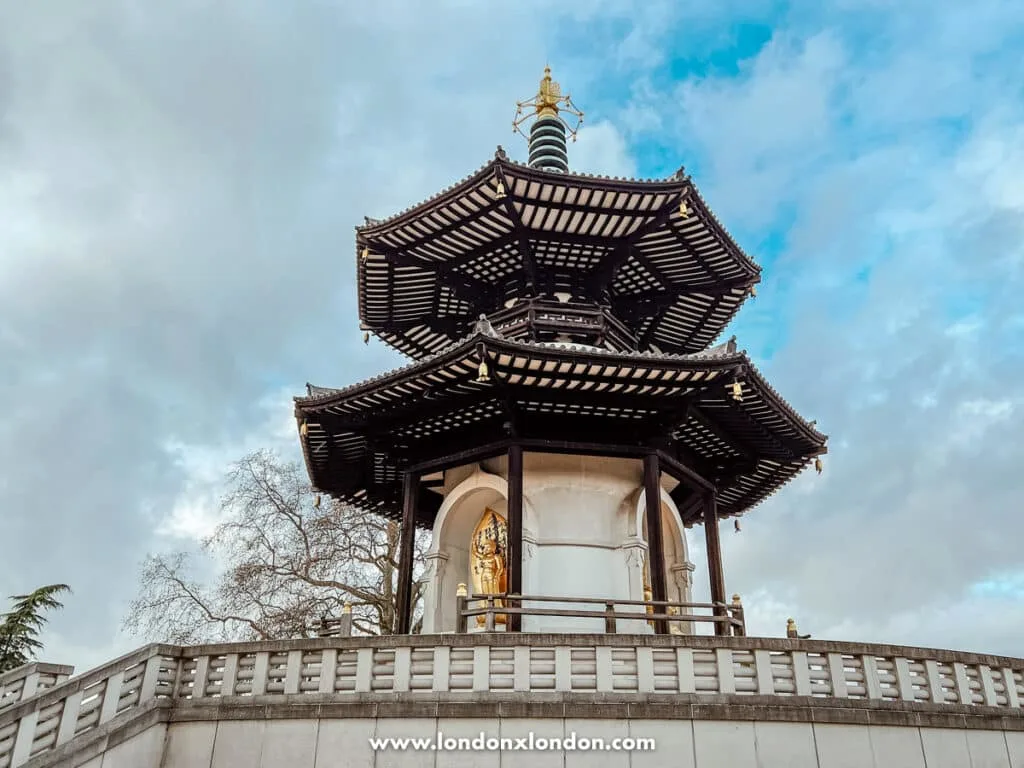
x=283 y=564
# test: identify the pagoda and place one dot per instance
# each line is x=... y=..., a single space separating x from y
x=565 y=415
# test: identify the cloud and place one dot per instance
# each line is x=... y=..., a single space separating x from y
x=181 y=181
x=893 y=288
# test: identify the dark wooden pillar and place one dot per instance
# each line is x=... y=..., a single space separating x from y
x=655 y=537
x=515 y=530
x=714 y=547
x=406 y=541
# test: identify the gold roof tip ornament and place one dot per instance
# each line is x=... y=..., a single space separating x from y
x=549 y=102
x=461 y=591
x=818 y=465
x=737 y=390
x=736 y=600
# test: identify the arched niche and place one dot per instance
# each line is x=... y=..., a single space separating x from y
x=448 y=559
x=678 y=568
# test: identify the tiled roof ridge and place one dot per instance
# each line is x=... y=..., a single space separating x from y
x=467 y=342
x=500 y=159
x=721 y=352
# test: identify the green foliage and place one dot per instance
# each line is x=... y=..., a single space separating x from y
x=20 y=627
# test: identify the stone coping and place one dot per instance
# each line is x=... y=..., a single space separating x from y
x=508 y=639
x=675 y=706
x=579 y=706
x=33 y=667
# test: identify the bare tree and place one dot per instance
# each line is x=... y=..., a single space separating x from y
x=284 y=561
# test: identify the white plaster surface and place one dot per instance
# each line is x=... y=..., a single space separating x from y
x=784 y=745
x=289 y=743
x=190 y=745
x=584 y=515
x=844 y=746
x=144 y=750
x=724 y=743
x=896 y=747
x=945 y=748
x=468 y=729
x=987 y=749
x=601 y=729
x=345 y=743
x=674 y=739
x=1015 y=748
x=409 y=728
x=516 y=728
x=238 y=743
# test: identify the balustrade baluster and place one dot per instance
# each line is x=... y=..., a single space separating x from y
x=801 y=673
x=442 y=667
x=936 y=692
x=403 y=669
x=763 y=670
x=904 y=681
x=482 y=668
x=988 y=690
x=726 y=673
x=964 y=694
x=1012 y=697
x=837 y=675
x=872 y=686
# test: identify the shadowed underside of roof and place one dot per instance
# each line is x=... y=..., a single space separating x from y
x=748 y=441
x=651 y=252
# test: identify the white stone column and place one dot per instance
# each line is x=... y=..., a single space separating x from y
x=634 y=550
x=433 y=593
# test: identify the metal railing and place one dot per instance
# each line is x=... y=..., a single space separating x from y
x=665 y=616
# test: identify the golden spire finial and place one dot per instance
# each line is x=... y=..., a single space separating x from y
x=549 y=102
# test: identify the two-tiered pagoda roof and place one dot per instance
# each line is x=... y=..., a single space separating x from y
x=557 y=312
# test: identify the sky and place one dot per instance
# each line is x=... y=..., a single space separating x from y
x=179 y=184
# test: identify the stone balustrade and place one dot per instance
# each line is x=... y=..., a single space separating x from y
x=159 y=681
x=29 y=679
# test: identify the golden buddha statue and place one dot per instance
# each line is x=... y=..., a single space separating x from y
x=488 y=549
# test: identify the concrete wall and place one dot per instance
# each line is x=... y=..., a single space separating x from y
x=344 y=743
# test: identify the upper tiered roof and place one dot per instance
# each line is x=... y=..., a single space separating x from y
x=649 y=253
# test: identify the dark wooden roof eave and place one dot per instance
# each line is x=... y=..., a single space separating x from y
x=741 y=493
x=403 y=260
x=477 y=343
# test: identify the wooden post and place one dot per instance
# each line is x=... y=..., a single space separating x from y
x=461 y=602
x=714 y=547
x=407 y=537
x=515 y=532
x=655 y=539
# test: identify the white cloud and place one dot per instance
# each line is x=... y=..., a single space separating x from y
x=601 y=149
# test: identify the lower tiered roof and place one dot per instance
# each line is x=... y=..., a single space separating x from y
x=746 y=439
